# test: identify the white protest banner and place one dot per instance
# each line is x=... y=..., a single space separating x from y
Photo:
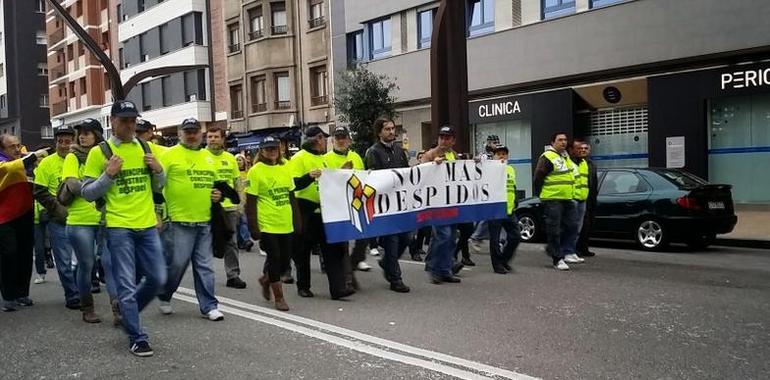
x=357 y=204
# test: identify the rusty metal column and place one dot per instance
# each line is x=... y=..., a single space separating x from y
x=449 y=72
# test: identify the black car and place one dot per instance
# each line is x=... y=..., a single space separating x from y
x=654 y=207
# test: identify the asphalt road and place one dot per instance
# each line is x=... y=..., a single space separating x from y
x=625 y=314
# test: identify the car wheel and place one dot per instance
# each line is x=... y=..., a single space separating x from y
x=701 y=241
x=528 y=227
x=651 y=235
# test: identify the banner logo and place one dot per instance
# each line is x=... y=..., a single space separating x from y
x=361 y=201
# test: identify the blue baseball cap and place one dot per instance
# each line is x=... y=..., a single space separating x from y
x=124 y=108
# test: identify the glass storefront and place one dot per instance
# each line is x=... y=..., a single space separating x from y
x=739 y=146
x=517 y=136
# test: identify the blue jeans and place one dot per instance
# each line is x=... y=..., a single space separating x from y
x=87 y=242
x=185 y=243
x=482 y=231
x=560 y=222
x=394 y=246
x=62 y=254
x=243 y=233
x=580 y=212
x=40 y=247
x=512 y=238
x=131 y=249
x=105 y=256
x=440 y=256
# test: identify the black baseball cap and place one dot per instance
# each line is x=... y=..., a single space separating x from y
x=315 y=131
x=144 y=125
x=89 y=124
x=493 y=138
x=500 y=148
x=269 y=142
x=446 y=130
x=341 y=131
x=190 y=123
x=124 y=108
x=64 y=130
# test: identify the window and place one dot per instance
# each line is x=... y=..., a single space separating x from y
x=140 y=5
x=162 y=38
x=558 y=8
x=601 y=3
x=282 y=91
x=258 y=100
x=2 y=101
x=143 y=56
x=355 y=47
x=146 y=96
x=318 y=86
x=279 y=18
x=44 y=100
x=234 y=38
x=40 y=6
x=316 y=13
x=167 y=89
x=41 y=38
x=42 y=69
x=2 y=70
x=379 y=38
x=619 y=182
x=46 y=132
x=482 y=17
x=425 y=28
x=257 y=23
x=236 y=102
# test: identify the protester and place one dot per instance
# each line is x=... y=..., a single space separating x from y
x=145 y=131
x=501 y=259
x=422 y=236
x=47 y=180
x=465 y=230
x=272 y=213
x=578 y=152
x=126 y=178
x=16 y=223
x=244 y=237
x=553 y=182
x=582 y=249
x=227 y=171
x=42 y=246
x=481 y=231
x=439 y=261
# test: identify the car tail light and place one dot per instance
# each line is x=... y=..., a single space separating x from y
x=688 y=203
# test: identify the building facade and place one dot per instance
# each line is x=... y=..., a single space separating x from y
x=278 y=64
x=648 y=82
x=24 y=99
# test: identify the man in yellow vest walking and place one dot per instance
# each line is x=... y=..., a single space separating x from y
x=554 y=183
x=578 y=152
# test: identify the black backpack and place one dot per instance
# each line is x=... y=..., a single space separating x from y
x=157 y=198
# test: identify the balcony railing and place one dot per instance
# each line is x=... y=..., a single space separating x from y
x=282 y=105
x=234 y=48
x=56 y=36
x=59 y=108
x=319 y=100
x=257 y=108
x=236 y=114
x=255 y=34
x=280 y=29
x=316 y=22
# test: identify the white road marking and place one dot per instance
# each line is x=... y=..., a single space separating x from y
x=275 y=318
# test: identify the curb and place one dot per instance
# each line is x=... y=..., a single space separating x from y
x=743 y=243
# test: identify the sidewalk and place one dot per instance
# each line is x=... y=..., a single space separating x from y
x=752 y=230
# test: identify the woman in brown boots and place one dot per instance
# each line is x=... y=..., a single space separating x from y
x=272 y=215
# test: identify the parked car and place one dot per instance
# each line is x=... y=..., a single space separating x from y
x=653 y=207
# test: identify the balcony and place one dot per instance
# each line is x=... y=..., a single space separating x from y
x=319 y=100
x=280 y=29
x=255 y=34
x=235 y=48
x=55 y=73
x=317 y=22
x=56 y=37
x=257 y=108
x=283 y=105
x=59 y=108
x=236 y=114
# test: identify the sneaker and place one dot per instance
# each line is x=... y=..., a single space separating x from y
x=468 y=262
x=374 y=252
x=236 y=283
x=165 y=308
x=561 y=265
x=24 y=301
x=141 y=349
x=573 y=259
x=305 y=293
x=40 y=279
x=262 y=253
x=475 y=246
x=214 y=315
x=364 y=267
x=49 y=263
x=457 y=267
x=10 y=306
x=73 y=304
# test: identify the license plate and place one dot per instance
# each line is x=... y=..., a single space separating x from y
x=716 y=205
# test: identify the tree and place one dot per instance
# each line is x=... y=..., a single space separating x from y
x=360 y=98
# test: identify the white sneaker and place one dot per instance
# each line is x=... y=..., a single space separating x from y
x=374 y=252
x=214 y=315
x=573 y=259
x=40 y=279
x=364 y=267
x=165 y=308
x=561 y=265
x=262 y=253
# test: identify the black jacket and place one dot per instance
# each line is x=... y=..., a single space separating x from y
x=221 y=229
x=380 y=156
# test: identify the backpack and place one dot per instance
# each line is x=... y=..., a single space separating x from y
x=157 y=197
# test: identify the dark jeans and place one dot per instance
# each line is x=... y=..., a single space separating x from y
x=585 y=232
x=41 y=247
x=466 y=230
x=394 y=246
x=359 y=252
x=439 y=260
x=559 y=225
x=16 y=242
x=333 y=255
x=421 y=239
x=512 y=238
x=278 y=249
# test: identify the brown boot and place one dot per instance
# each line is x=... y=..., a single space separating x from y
x=265 y=282
x=87 y=308
x=117 y=319
x=280 y=303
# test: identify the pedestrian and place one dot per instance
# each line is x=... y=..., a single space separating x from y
x=481 y=231
x=306 y=167
x=125 y=178
x=47 y=181
x=465 y=231
x=16 y=222
x=145 y=130
x=501 y=259
x=582 y=249
x=190 y=175
x=244 y=237
x=387 y=154
x=272 y=213
x=42 y=246
x=554 y=182
x=578 y=152
x=84 y=221
x=439 y=261
x=227 y=171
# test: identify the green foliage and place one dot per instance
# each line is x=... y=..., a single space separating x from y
x=360 y=98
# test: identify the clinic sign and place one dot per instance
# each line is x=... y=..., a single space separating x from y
x=492 y=110
x=739 y=78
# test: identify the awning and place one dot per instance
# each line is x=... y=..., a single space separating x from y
x=251 y=140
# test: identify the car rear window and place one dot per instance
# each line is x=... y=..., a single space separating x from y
x=681 y=179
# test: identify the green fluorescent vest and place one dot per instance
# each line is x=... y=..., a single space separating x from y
x=559 y=184
x=581 y=182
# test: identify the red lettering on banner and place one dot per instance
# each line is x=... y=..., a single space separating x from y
x=447 y=213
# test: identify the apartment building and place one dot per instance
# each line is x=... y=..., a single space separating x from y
x=24 y=99
x=662 y=83
x=278 y=64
